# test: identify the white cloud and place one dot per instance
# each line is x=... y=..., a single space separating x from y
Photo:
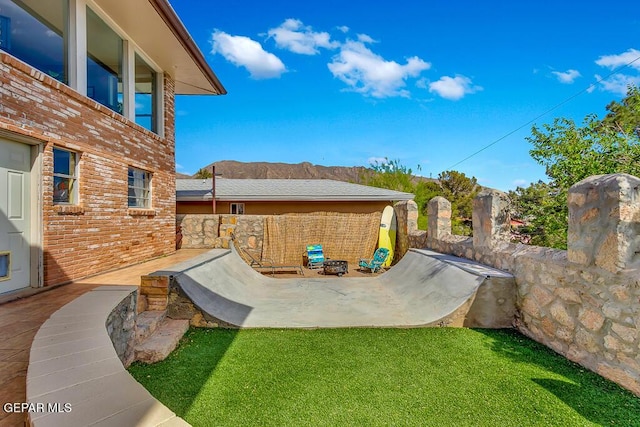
x=293 y=35
x=615 y=61
x=618 y=83
x=245 y=52
x=364 y=38
x=453 y=88
x=567 y=77
x=343 y=28
x=377 y=160
x=368 y=73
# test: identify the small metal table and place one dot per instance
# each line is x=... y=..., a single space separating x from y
x=338 y=267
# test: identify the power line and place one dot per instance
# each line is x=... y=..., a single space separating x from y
x=599 y=80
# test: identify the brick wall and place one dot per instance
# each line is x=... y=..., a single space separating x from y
x=101 y=233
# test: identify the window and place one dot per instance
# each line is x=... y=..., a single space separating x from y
x=139 y=189
x=35 y=32
x=38 y=33
x=104 y=63
x=146 y=97
x=237 y=208
x=65 y=177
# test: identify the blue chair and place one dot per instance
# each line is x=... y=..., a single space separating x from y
x=375 y=264
x=315 y=256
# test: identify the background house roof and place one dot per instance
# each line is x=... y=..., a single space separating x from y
x=283 y=190
x=155 y=27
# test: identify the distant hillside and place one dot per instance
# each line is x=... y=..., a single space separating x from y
x=305 y=170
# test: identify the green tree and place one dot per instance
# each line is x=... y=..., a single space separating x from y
x=624 y=116
x=542 y=207
x=392 y=175
x=571 y=153
x=455 y=186
x=425 y=191
x=203 y=174
x=389 y=174
x=460 y=190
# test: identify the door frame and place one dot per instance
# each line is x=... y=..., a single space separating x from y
x=36 y=276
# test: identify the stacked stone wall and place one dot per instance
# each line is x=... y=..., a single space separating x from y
x=584 y=302
x=215 y=231
x=407 y=218
x=120 y=325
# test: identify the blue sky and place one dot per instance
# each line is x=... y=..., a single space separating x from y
x=427 y=83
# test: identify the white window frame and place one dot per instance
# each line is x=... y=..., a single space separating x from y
x=236 y=209
x=77 y=64
x=76 y=60
x=145 y=189
x=73 y=194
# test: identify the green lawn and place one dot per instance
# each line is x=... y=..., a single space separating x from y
x=380 y=377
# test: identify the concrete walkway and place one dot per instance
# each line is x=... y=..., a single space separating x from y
x=21 y=319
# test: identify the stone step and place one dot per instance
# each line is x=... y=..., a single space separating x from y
x=162 y=342
x=146 y=324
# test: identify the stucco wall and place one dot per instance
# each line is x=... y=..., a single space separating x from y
x=282 y=207
x=584 y=302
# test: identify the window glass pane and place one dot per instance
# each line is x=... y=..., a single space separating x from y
x=237 y=208
x=62 y=162
x=145 y=95
x=62 y=188
x=64 y=176
x=34 y=31
x=139 y=188
x=104 y=63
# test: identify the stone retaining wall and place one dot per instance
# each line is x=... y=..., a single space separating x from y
x=584 y=302
x=214 y=231
x=121 y=328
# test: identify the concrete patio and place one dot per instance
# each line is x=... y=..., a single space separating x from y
x=21 y=319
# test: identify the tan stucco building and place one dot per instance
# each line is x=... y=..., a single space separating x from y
x=280 y=196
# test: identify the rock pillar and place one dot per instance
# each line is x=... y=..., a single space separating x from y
x=439 y=218
x=491 y=218
x=604 y=222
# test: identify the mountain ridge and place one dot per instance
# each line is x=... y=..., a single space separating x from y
x=275 y=170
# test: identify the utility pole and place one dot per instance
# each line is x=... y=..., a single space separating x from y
x=213 y=187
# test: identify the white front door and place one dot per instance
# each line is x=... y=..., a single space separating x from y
x=15 y=184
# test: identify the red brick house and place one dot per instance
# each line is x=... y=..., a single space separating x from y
x=87 y=144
